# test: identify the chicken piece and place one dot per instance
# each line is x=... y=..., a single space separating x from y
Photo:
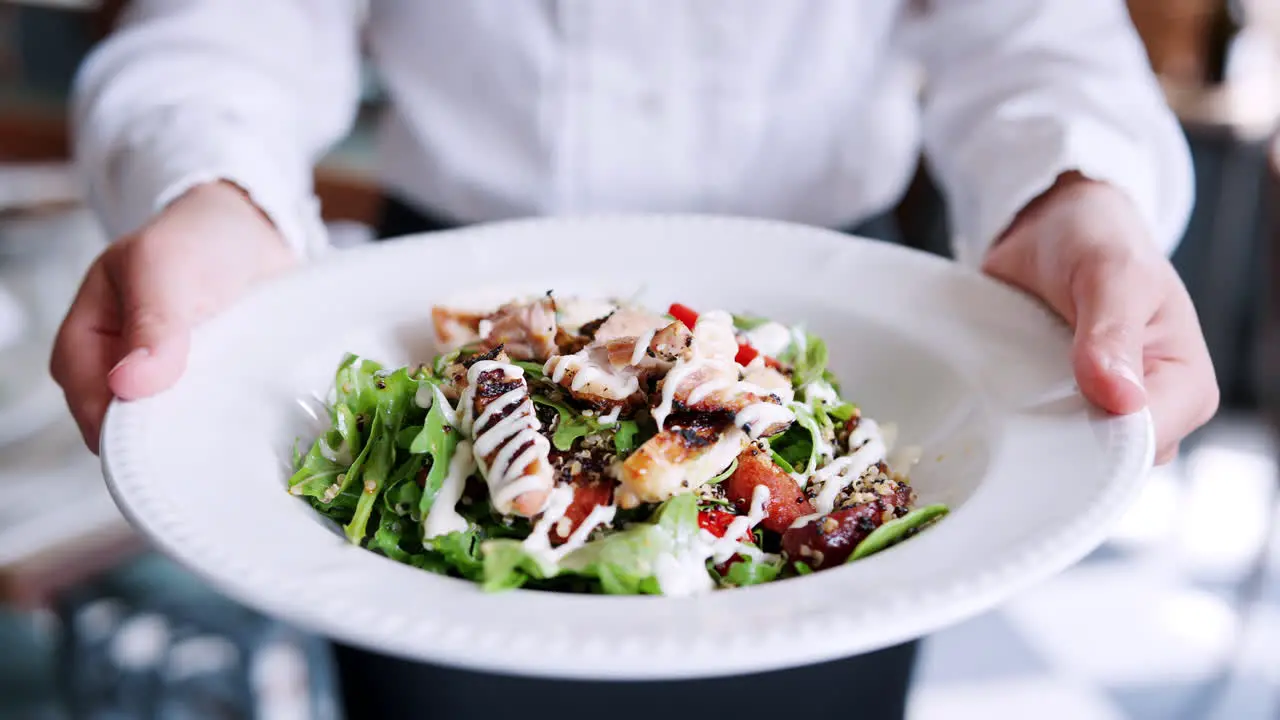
x=715 y=337
x=455 y=328
x=513 y=456
x=652 y=351
x=768 y=381
x=628 y=322
x=691 y=451
x=579 y=316
x=527 y=330
x=589 y=377
x=713 y=386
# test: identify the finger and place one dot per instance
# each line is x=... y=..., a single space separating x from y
x=1183 y=396
x=85 y=349
x=1113 y=304
x=1167 y=454
x=155 y=334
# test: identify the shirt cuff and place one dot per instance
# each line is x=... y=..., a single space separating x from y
x=194 y=149
x=1156 y=176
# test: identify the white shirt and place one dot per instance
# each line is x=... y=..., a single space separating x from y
x=804 y=110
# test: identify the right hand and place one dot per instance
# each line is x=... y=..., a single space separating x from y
x=128 y=330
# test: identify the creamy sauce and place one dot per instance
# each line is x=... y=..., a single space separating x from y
x=770 y=338
x=443 y=517
x=642 y=344
x=682 y=573
x=446 y=410
x=681 y=370
x=846 y=470
x=725 y=547
x=804 y=520
x=538 y=543
x=611 y=417
x=613 y=386
x=755 y=418
x=558 y=502
x=700 y=393
x=425 y=396
x=684 y=570
x=821 y=392
x=507 y=474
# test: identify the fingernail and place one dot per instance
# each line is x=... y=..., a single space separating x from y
x=1122 y=368
x=133 y=356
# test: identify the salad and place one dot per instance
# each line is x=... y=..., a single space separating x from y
x=583 y=446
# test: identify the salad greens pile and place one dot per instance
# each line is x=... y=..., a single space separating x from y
x=378 y=468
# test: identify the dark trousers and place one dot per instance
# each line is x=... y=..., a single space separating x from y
x=376 y=687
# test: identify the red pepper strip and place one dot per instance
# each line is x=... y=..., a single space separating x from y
x=717 y=522
x=684 y=314
x=746 y=354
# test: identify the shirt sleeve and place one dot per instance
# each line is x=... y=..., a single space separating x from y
x=1019 y=92
x=248 y=91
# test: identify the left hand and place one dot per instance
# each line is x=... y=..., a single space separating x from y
x=1082 y=248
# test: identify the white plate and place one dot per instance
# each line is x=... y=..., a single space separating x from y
x=970 y=370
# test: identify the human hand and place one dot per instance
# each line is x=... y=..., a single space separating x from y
x=1082 y=248
x=129 y=327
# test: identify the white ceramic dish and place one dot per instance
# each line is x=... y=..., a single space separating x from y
x=975 y=373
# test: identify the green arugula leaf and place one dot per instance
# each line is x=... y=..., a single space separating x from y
x=897 y=530
x=747 y=323
x=747 y=572
x=624 y=437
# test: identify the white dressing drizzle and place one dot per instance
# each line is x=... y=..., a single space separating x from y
x=725 y=547
x=558 y=502
x=684 y=570
x=755 y=418
x=538 y=543
x=820 y=391
x=425 y=396
x=804 y=520
x=770 y=338
x=845 y=470
x=443 y=517
x=642 y=345
x=611 y=417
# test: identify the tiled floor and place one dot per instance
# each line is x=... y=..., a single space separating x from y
x=1177 y=617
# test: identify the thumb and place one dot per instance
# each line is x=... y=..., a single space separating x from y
x=1112 y=309
x=154 y=344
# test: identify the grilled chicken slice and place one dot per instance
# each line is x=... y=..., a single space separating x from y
x=653 y=351
x=526 y=330
x=691 y=451
x=455 y=328
x=513 y=456
x=611 y=373
x=764 y=378
x=591 y=378
x=715 y=337
x=628 y=322
x=714 y=387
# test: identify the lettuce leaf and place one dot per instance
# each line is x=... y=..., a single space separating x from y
x=622 y=562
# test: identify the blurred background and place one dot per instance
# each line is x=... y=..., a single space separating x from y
x=1178 y=616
